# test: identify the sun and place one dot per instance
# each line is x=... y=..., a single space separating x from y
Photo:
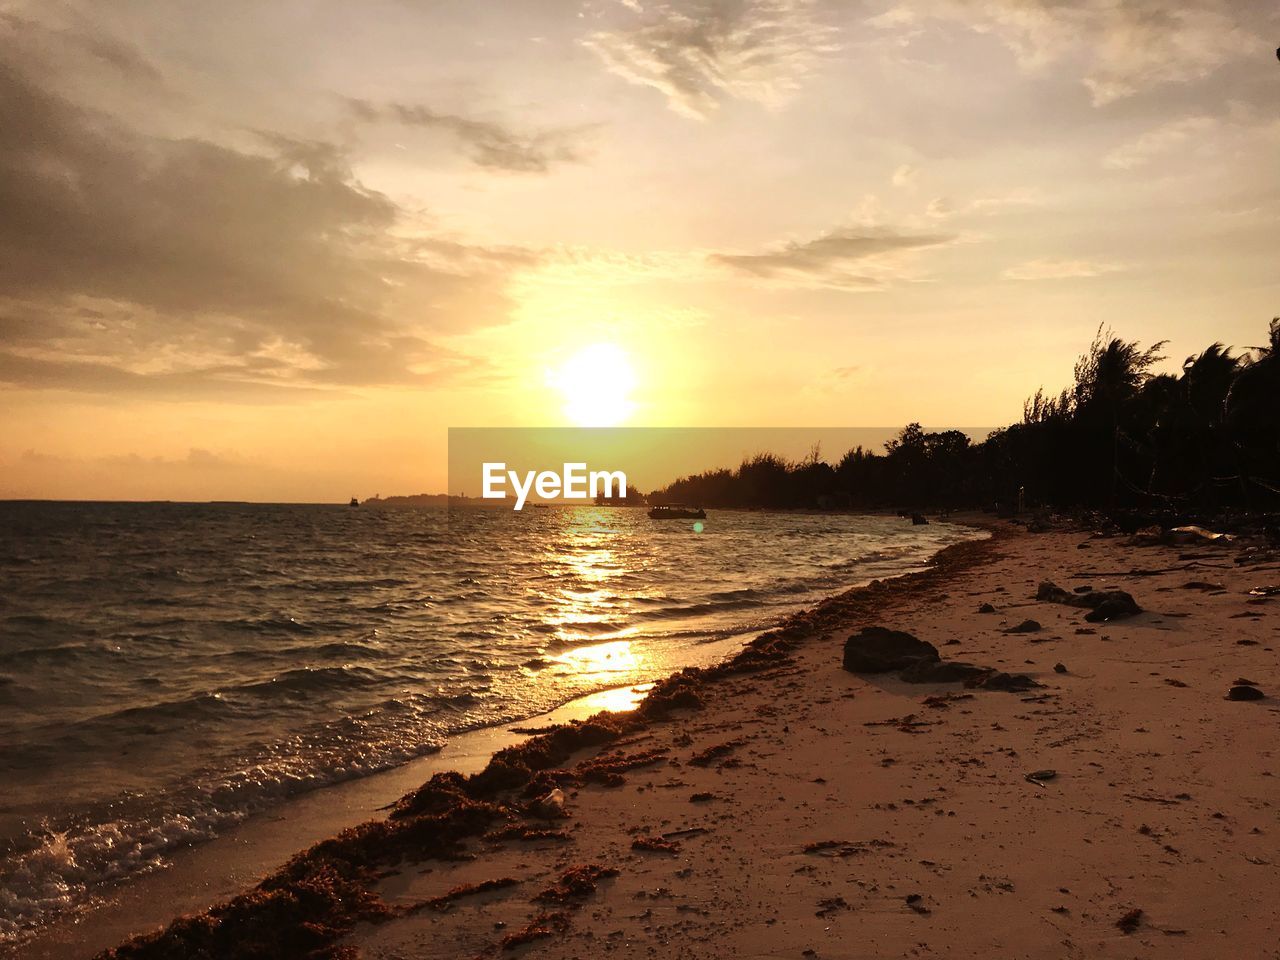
x=596 y=384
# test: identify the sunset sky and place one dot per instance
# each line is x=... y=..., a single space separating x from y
x=273 y=251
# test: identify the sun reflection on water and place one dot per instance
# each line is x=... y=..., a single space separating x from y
x=589 y=617
x=616 y=656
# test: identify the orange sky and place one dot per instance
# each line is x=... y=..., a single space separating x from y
x=274 y=251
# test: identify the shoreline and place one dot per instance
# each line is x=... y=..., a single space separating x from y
x=200 y=876
x=777 y=804
x=63 y=951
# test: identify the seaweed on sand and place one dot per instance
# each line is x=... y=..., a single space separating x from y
x=301 y=917
x=517 y=831
x=655 y=845
x=541 y=926
x=705 y=758
x=607 y=770
x=447 y=900
x=576 y=883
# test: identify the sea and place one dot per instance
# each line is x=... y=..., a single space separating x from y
x=168 y=670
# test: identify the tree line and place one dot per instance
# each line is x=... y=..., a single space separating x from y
x=1121 y=436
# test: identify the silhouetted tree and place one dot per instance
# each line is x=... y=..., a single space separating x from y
x=1120 y=435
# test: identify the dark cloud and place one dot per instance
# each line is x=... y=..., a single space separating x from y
x=39 y=40
x=131 y=262
x=490 y=144
x=850 y=257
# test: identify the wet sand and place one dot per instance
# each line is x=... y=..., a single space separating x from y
x=785 y=807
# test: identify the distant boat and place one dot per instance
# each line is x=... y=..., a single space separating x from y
x=677 y=513
x=354 y=502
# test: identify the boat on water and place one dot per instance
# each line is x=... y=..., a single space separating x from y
x=677 y=513
x=354 y=502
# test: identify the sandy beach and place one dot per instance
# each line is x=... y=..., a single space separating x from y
x=781 y=806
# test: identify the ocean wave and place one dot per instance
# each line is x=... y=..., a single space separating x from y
x=55 y=869
x=687 y=610
x=305 y=680
x=56 y=653
x=235 y=656
x=283 y=624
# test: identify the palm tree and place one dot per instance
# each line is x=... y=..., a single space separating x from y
x=1252 y=413
x=1108 y=377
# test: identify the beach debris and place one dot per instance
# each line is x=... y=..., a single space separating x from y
x=986 y=608
x=1269 y=591
x=1245 y=691
x=1103 y=604
x=916 y=902
x=1083 y=588
x=880 y=650
x=1196 y=535
x=447 y=900
x=1059 y=668
x=1152 y=798
x=1204 y=585
x=540 y=927
x=516 y=831
x=943 y=701
x=655 y=845
x=705 y=757
x=550 y=806
x=702 y=798
x=576 y=883
x=845 y=848
x=1039 y=777
x=1246 y=643
x=830 y=905
x=906 y=724
x=1130 y=921
x=1026 y=626
x=1173 y=682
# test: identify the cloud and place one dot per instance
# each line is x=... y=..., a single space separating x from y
x=490 y=144
x=942 y=208
x=699 y=52
x=1157 y=142
x=858 y=257
x=906 y=176
x=42 y=39
x=1050 y=269
x=1122 y=47
x=130 y=262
